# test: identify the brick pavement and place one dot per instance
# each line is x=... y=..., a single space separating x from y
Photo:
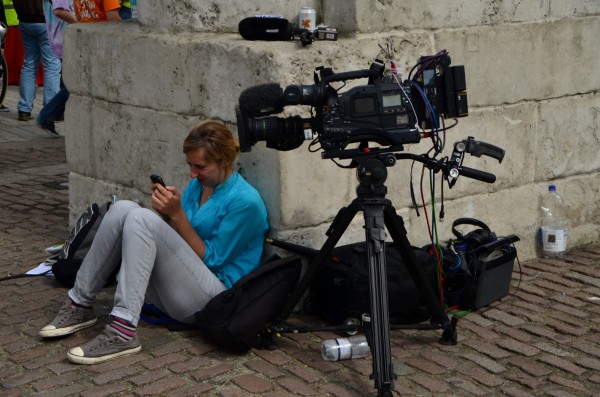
x=543 y=340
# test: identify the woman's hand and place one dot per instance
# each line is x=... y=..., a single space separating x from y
x=166 y=200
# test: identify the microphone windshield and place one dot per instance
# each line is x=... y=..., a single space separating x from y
x=262 y=100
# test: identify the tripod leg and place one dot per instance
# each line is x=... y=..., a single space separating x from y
x=395 y=226
x=383 y=372
x=335 y=232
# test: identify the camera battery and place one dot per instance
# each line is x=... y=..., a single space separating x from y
x=325 y=33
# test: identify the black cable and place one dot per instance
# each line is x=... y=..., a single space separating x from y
x=442 y=199
x=412 y=190
x=22 y=275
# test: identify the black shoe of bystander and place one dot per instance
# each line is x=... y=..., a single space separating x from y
x=50 y=129
x=24 y=116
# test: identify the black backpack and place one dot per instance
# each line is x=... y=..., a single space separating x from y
x=235 y=318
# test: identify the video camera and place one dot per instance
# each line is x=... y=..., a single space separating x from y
x=385 y=111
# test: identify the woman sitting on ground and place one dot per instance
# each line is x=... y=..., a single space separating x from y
x=196 y=245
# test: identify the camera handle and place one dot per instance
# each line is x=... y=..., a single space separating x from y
x=477 y=149
x=378 y=214
x=374 y=73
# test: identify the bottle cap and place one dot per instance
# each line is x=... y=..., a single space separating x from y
x=551 y=188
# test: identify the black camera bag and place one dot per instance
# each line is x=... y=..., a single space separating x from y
x=340 y=290
x=477 y=265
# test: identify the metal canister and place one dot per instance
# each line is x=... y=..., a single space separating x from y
x=307 y=18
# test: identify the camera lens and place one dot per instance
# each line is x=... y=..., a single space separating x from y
x=279 y=133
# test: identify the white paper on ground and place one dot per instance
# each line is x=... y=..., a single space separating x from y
x=42 y=268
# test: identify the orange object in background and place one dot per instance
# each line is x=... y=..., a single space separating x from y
x=14 y=54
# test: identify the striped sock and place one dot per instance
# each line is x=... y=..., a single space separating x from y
x=124 y=329
x=77 y=305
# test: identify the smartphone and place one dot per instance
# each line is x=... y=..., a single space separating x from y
x=157 y=179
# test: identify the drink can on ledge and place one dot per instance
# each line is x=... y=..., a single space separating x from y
x=307 y=18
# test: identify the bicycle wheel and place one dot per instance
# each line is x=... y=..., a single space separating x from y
x=3 y=78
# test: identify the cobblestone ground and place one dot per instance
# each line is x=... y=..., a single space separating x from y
x=541 y=340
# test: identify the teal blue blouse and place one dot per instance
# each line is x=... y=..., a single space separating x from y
x=232 y=223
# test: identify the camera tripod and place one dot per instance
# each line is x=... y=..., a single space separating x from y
x=379 y=213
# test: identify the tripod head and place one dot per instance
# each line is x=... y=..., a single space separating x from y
x=371 y=173
x=371 y=164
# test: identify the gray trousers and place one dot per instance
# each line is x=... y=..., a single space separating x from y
x=157 y=266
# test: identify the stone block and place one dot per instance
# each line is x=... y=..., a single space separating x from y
x=123 y=143
x=511 y=128
x=568 y=137
x=171 y=73
x=84 y=191
x=174 y=72
x=506 y=64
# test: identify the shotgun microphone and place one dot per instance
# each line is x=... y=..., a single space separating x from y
x=262 y=100
x=266 y=27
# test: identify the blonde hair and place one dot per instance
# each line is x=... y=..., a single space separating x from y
x=217 y=140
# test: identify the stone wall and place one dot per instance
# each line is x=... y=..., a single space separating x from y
x=137 y=88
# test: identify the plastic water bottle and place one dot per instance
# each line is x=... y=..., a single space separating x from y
x=344 y=348
x=554 y=224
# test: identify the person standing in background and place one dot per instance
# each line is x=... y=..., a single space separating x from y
x=97 y=10
x=84 y=11
x=34 y=35
x=59 y=13
x=13 y=46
